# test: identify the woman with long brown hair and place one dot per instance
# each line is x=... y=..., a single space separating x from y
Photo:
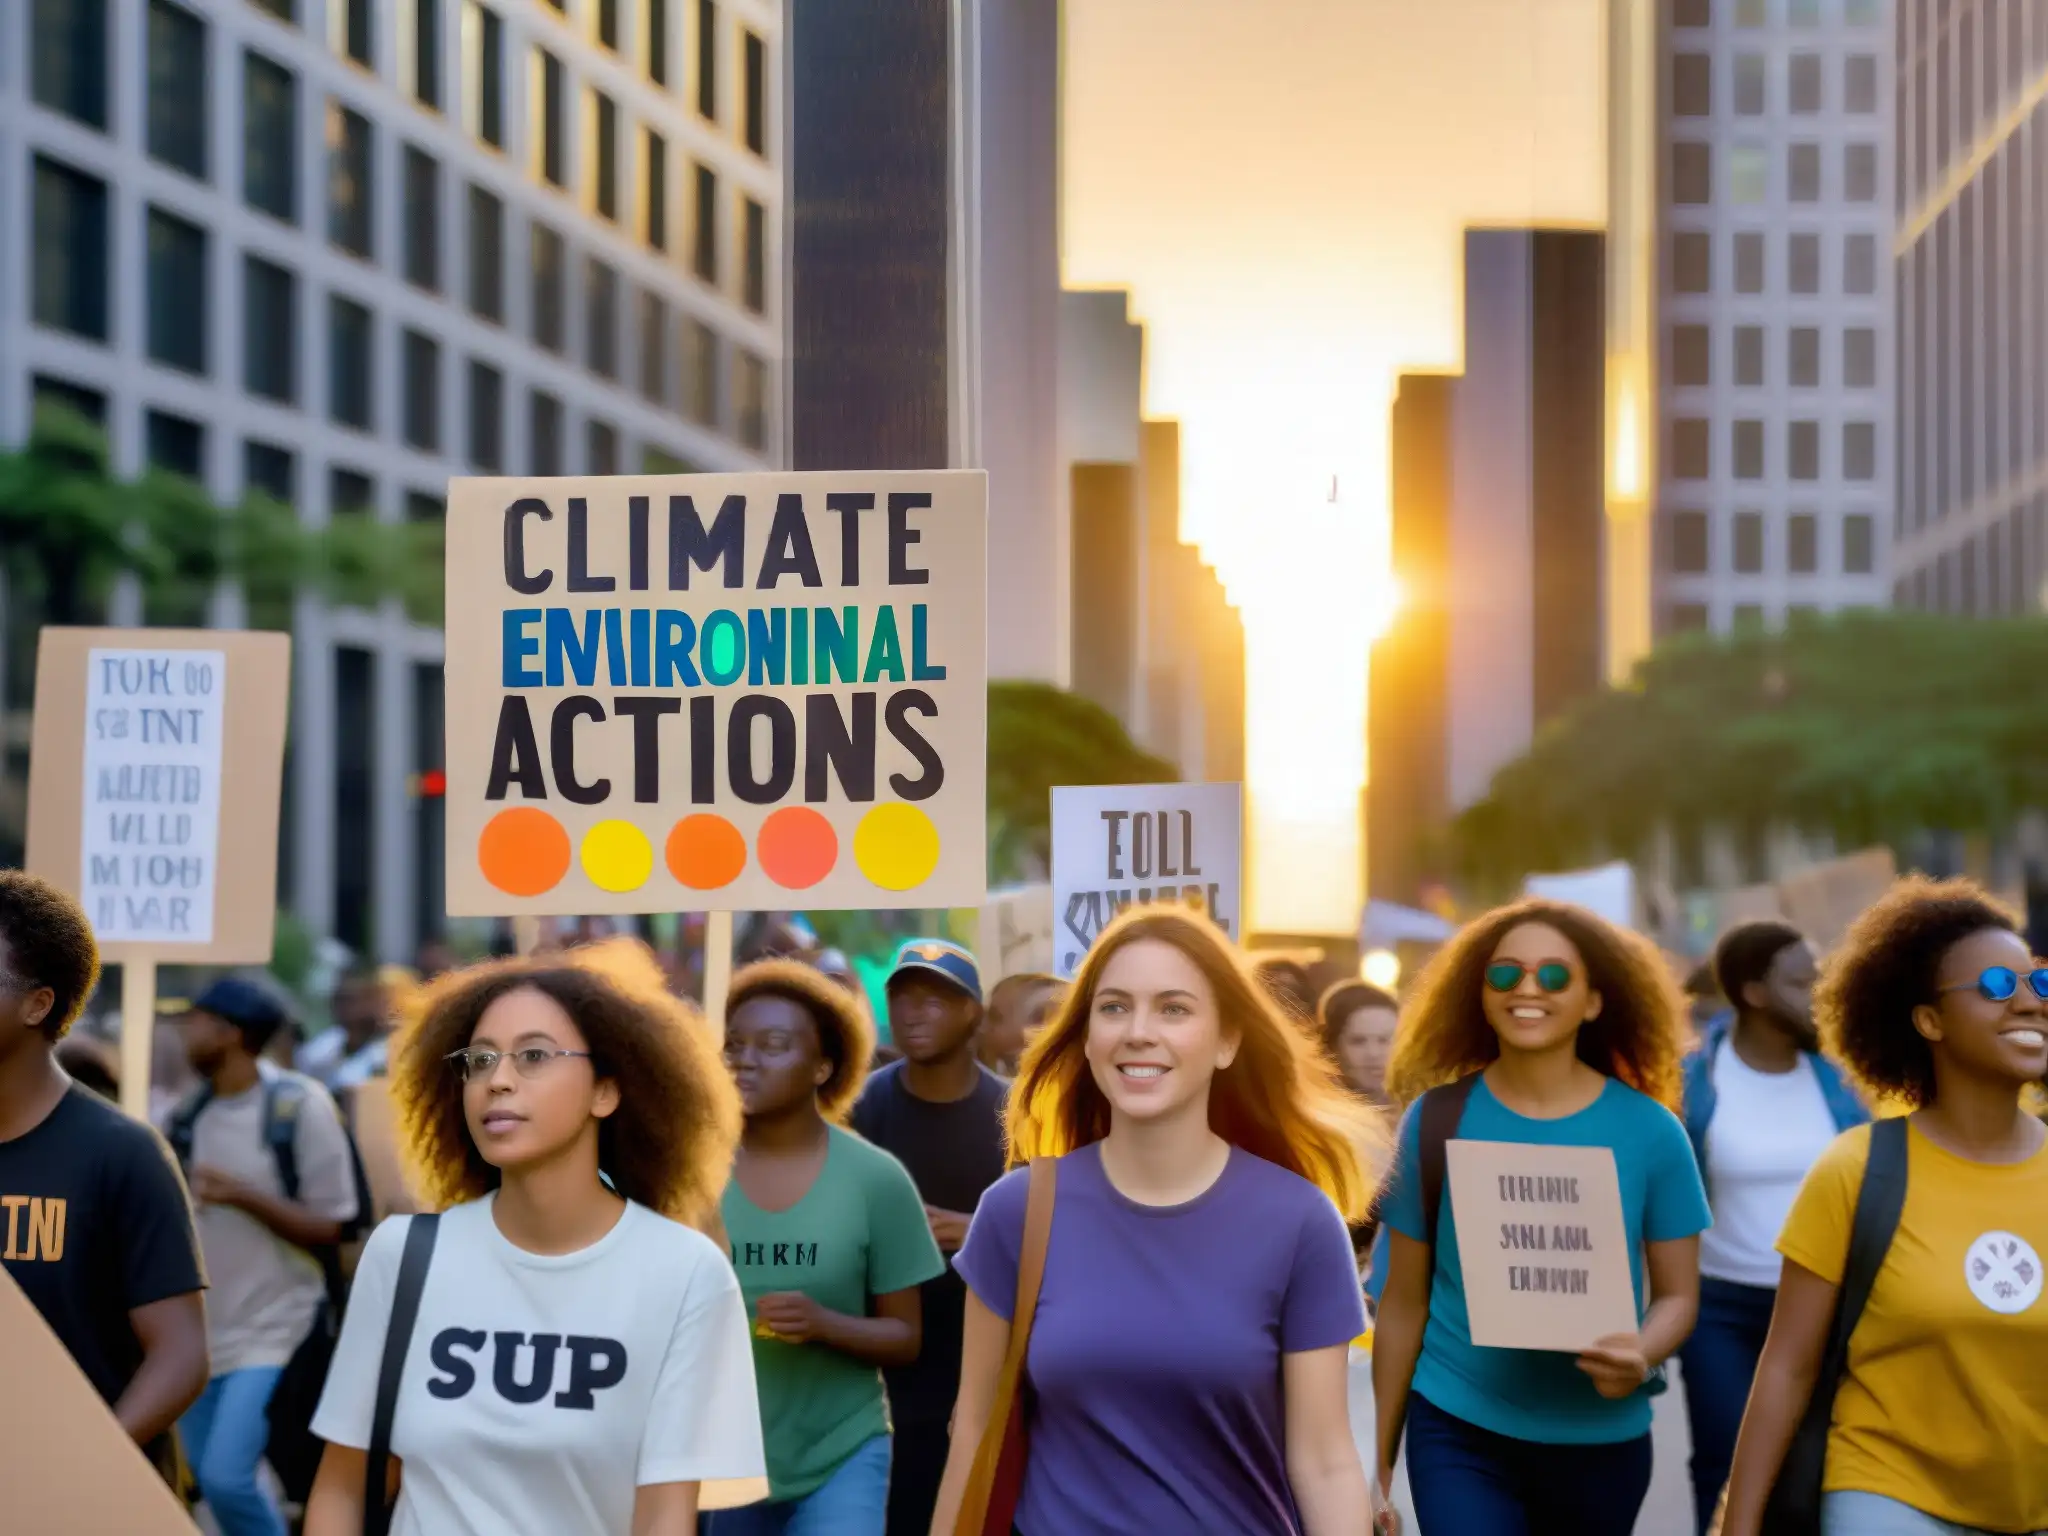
x=1187 y=1358
x=580 y=1359
x=1558 y=1029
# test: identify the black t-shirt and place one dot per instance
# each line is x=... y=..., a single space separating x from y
x=954 y=1152
x=95 y=1222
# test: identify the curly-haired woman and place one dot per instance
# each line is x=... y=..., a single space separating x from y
x=831 y=1244
x=1188 y=1357
x=581 y=1358
x=1936 y=1002
x=1571 y=1032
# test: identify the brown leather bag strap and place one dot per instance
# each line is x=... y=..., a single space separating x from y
x=1031 y=1259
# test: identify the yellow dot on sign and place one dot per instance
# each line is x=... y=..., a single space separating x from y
x=617 y=856
x=896 y=846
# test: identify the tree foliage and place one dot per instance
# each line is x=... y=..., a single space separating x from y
x=1870 y=725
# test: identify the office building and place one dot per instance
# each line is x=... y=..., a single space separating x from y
x=1972 y=249
x=340 y=250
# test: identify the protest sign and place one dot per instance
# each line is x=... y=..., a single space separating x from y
x=374 y=1120
x=1608 y=891
x=1542 y=1244
x=716 y=693
x=1822 y=900
x=1121 y=845
x=1015 y=933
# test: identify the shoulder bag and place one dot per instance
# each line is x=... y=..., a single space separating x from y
x=420 y=1232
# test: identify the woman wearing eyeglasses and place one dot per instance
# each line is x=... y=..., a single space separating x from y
x=581 y=1358
x=1562 y=1030
x=1934 y=1001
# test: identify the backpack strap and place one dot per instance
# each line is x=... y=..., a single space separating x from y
x=1878 y=1205
x=418 y=1257
x=1443 y=1109
x=283 y=1097
x=185 y=1121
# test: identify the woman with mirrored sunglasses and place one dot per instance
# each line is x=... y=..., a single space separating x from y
x=1547 y=1027
x=1939 y=1007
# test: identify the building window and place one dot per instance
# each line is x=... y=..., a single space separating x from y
x=1859 y=450
x=422 y=392
x=270 y=331
x=755 y=288
x=1752 y=84
x=72 y=252
x=1685 y=618
x=486 y=417
x=350 y=492
x=1802 y=263
x=283 y=10
x=700 y=373
x=177 y=292
x=543 y=434
x=608 y=24
x=1691 y=457
x=1803 y=83
x=425 y=507
x=1747 y=447
x=1690 y=352
x=1749 y=355
x=1749 y=543
x=604 y=114
x=1689 y=552
x=1802 y=450
x=655 y=13
x=601 y=318
x=1859 y=544
x=1859 y=264
x=1859 y=83
x=1802 y=544
x=486 y=256
x=270 y=469
x=350 y=194
x=177 y=88
x=755 y=57
x=1859 y=357
x=175 y=444
x=1692 y=85
x=1802 y=356
x=68 y=43
x=1859 y=173
x=550 y=273
x=1749 y=262
x=1749 y=174
x=351 y=37
x=353 y=811
x=654 y=194
x=1803 y=172
x=270 y=138
x=704 y=251
x=550 y=118
x=483 y=73
x=601 y=449
x=1803 y=13
x=422 y=219
x=1692 y=173
x=651 y=325
x=1692 y=262
x=350 y=363
x=750 y=399
x=426 y=53
x=707 y=60
x=1692 y=13
x=1746 y=616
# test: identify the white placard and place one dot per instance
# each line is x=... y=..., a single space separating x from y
x=151 y=828
x=1121 y=845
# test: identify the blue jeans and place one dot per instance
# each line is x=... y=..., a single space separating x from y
x=1868 y=1514
x=225 y=1433
x=1466 y=1480
x=1719 y=1367
x=853 y=1501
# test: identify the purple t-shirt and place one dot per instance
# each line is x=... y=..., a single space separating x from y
x=1155 y=1353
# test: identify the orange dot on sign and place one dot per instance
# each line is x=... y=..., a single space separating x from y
x=797 y=847
x=705 y=852
x=523 y=851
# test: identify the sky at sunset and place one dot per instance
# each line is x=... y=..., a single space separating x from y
x=1282 y=184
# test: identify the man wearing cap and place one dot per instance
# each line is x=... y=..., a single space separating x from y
x=940 y=1112
x=259 y=1240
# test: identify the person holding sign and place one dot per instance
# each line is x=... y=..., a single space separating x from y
x=831 y=1243
x=579 y=1358
x=1556 y=1030
x=1188 y=1350
x=1939 y=1413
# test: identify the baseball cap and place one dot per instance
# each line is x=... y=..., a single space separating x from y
x=936 y=957
x=248 y=1005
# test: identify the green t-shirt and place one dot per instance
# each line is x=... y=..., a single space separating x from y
x=859 y=1231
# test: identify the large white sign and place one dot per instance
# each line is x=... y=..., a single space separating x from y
x=151 y=828
x=1115 y=846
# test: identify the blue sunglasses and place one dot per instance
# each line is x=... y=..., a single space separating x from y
x=1999 y=984
x=1553 y=976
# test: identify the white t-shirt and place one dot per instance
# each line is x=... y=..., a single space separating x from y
x=541 y=1391
x=1768 y=1129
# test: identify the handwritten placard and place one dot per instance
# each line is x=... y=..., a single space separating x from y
x=1541 y=1243
x=1121 y=845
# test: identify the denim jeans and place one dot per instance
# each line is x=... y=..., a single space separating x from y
x=854 y=1501
x=224 y=1434
x=1869 y=1514
x=1719 y=1366
x=1466 y=1480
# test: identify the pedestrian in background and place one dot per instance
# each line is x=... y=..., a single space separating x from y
x=1358 y=1021
x=1018 y=1007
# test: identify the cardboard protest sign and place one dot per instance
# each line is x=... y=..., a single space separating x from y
x=375 y=1123
x=148 y=742
x=1016 y=933
x=716 y=693
x=1822 y=901
x=1115 y=846
x=1542 y=1244
x=66 y=1466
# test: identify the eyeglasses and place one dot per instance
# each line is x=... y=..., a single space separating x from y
x=474 y=1066
x=1553 y=976
x=1999 y=983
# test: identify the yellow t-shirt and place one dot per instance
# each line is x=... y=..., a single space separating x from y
x=1944 y=1405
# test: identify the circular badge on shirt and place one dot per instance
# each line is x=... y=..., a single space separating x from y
x=2004 y=1272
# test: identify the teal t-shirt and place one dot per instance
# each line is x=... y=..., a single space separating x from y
x=859 y=1231
x=1533 y=1394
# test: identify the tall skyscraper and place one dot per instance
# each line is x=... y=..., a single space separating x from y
x=339 y=250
